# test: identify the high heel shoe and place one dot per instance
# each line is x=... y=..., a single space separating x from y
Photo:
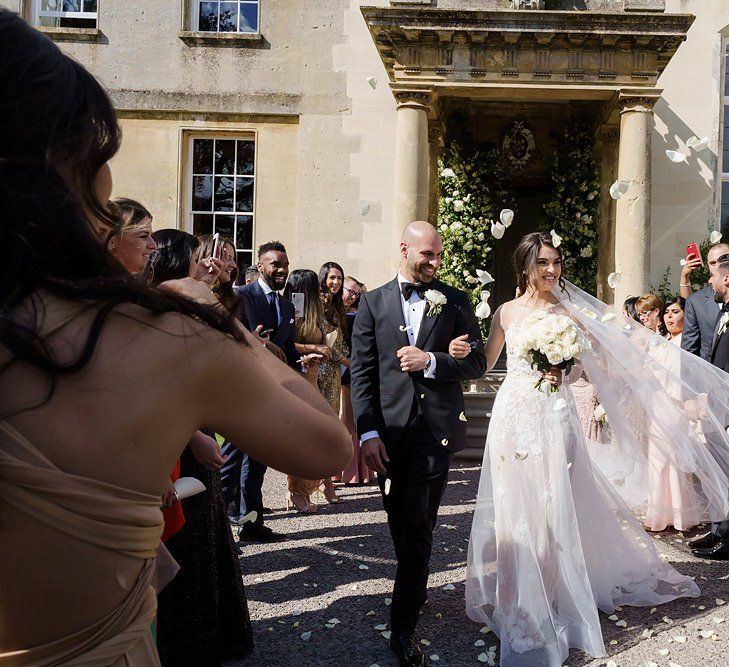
x=301 y=503
x=330 y=493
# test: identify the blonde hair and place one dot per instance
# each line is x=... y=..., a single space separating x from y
x=648 y=302
x=129 y=212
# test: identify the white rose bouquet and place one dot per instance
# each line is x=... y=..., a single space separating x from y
x=546 y=340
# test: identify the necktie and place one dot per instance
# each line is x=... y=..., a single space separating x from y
x=272 y=297
x=408 y=289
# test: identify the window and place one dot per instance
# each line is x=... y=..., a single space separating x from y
x=724 y=194
x=66 y=13
x=226 y=16
x=221 y=191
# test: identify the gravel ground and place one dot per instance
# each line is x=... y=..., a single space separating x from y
x=297 y=586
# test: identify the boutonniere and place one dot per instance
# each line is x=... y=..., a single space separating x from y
x=436 y=300
x=723 y=323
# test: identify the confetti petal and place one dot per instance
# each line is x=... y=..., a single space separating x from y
x=560 y=404
x=698 y=145
x=676 y=156
x=435 y=657
x=679 y=639
x=483 y=310
x=608 y=317
x=718 y=619
x=381 y=627
x=449 y=587
x=334 y=621
x=306 y=636
x=619 y=188
x=506 y=216
x=479 y=642
x=462 y=417
x=370 y=613
x=484 y=276
x=497 y=230
x=425 y=642
x=622 y=624
x=663 y=652
x=556 y=239
x=714 y=237
x=387 y=634
x=520 y=455
x=614 y=279
x=612 y=617
x=364 y=567
x=388 y=602
x=444 y=442
x=483 y=657
x=611 y=663
x=388 y=484
x=647 y=634
x=719 y=602
x=706 y=634
x=649 y=663
x=372 y=81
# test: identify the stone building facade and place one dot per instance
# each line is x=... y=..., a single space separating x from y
x=319 y=124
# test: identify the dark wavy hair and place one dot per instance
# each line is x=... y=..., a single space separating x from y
x=334 y=309
x=306 y=282
x=629 y=307
x=526 y=256
x=171 y=260
x=57 y=130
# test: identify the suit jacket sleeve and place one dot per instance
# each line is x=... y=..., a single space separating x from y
x=691 y=334
x=364 y=370
x=247 y=311
x=474 y=365
x=289 y=347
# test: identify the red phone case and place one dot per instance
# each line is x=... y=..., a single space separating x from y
x=693 y=249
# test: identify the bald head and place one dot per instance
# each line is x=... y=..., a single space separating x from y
x=420 y=251
x=716 y=252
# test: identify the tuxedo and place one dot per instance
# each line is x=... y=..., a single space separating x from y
x=698 y=323
x=419 y=416
x=260 y=305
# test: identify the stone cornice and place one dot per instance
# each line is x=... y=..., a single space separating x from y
x=578 y=47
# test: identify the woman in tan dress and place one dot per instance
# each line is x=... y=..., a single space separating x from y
x=103 y=380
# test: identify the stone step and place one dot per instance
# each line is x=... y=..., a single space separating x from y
x=470 y=454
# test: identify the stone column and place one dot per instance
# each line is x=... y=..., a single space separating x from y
x=633 y=210
x=607 y=155
x=412 y=158
x=436 y=144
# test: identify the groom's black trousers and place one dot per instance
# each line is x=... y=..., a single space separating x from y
x=418 y=472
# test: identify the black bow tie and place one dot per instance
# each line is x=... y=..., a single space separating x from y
x=408 y=289
x=725 y=307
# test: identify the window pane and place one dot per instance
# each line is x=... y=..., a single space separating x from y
x=228 y=16
x=244 y=195
x=202 y=224
x=224 y=156
x=208 y=17
x=223 y=193
x=224 y=225
x=90 y=5
x=202 y=156
x=244 y=232
x=71 y=5
x=248 y=21
x=245 y=259
x=246 y=153
x=52 y=5
x=202 y=193
x=725 y=193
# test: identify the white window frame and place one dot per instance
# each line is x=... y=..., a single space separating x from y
x=195 y=17
x=242 y=135
x=39 y=13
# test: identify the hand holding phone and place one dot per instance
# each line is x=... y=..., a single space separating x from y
x=216 y=245
x=693 y=252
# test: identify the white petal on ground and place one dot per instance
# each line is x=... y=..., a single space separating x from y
x=334 y=621
x=714 y=237
x=297 y=612
x=381 y=627
x=372 y=81
x=425 y=642
x=612 y=617
x=649 y=663
x=676 y=156
x=449 y=587
x=647 y=634
x=679 y=639
x=306 y=636
x=497 y=230
x=706 y=634
x=485 y=630
x=556 y=239
x=622 y=624
x=560 y=404
x=619 y=188
x=673 y=664
x=506 y=216
x=718 y=619
x=719 y=602
x=388 y=602
x=388 y=484
x=613 y=279
x=435 y=657
x=330 y=625
x=611 y=663
x=462 y=417
x=370 y=613
x=364 y=567
x=663 y=652
x=479 y=642
x=484 y=276
x=387 y=634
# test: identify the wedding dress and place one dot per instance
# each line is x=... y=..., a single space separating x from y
x=552 y=541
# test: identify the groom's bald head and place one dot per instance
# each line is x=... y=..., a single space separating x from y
x=420 y=251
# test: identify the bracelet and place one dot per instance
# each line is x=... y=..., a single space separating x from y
x=684 y=284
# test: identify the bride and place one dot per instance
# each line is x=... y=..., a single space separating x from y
x=552 y=541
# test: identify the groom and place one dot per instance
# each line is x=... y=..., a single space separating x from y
x=408 y=406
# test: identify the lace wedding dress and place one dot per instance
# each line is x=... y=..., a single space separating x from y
x=552 y=541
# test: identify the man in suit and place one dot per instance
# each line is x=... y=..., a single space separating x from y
x=715 y=545
x=408 y=406
x=701 y=310
x=263 y=308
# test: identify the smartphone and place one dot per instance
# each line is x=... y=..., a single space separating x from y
x=692 y=249
x=216 y=245
x=297 y=298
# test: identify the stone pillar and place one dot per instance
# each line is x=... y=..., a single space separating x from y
x=436 y=143
x=606 y=146
x=633 y=209
x=412 y=158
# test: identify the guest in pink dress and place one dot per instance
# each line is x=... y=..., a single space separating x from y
x=673 y=500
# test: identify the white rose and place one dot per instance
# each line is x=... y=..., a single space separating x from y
x=457 y=205
x=471 y=280
x=448 y=173
x=435 y=297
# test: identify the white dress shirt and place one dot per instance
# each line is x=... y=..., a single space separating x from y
x=267 y=290
x=413 y=311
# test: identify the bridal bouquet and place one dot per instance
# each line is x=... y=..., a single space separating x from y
x=546 y=340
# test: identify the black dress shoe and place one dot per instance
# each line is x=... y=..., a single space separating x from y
x=407 y=651
x=705 y=541
x=720 y=551
x=251 y=533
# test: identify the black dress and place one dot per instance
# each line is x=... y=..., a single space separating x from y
x=203 y=613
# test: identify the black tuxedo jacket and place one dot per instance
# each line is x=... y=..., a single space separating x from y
x=255 y=310
x=720 y=347
x=698 y=323
x=383 y=395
